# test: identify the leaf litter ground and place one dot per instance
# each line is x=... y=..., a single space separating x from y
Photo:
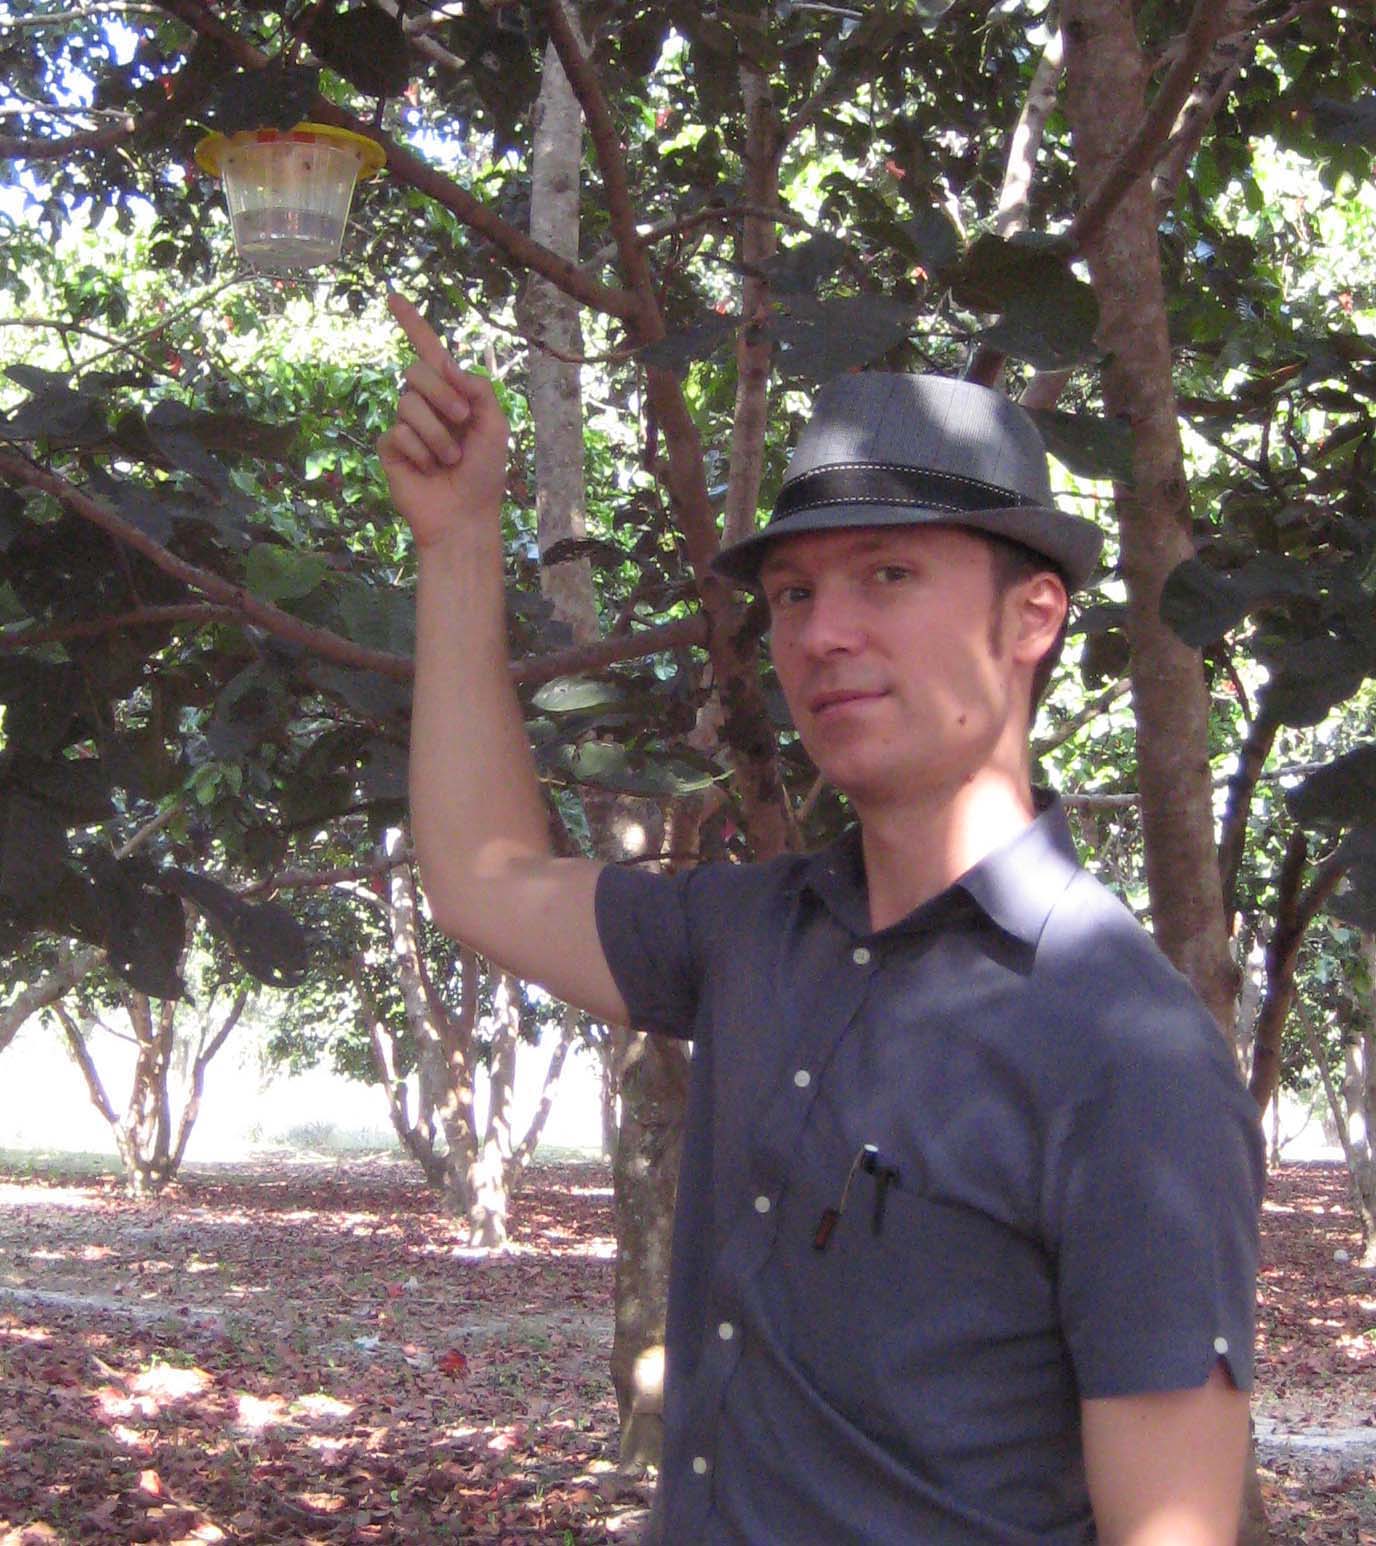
x=307 y=1353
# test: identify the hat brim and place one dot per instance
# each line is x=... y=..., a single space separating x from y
x=1069 y=542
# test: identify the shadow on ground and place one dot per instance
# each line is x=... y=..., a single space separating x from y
x=305 y=1354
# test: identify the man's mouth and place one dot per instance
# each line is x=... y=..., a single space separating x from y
x=840 y=698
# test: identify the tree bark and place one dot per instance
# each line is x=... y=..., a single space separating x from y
x=72 y=966
x=1106 y=107
x=1352 y=1111
x=1105 y=102
x=654 y=1086
x=550 y=317
x=444 y=1046
x=609 y=1093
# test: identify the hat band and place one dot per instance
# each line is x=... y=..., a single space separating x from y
x=891 y=483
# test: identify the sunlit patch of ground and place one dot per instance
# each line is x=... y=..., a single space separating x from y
x=303 y=1357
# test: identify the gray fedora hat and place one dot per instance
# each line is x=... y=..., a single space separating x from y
x=899 y=450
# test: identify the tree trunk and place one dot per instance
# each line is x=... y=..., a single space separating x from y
x=487 y=1208
x=443 y=1045
x=417 y=1137
x=654 y=1086
x=1352 y=1111
x=196 y=1089
x=646 y=1171
x=607 y=1084
x=550 y=320
x=1105 y=102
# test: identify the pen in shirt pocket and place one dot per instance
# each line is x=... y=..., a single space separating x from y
x=868 y=1159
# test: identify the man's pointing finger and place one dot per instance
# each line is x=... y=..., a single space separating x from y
x=423 y=338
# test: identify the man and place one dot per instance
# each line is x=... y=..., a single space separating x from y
x=965 y=1241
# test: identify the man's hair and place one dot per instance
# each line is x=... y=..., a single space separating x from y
x=1013 y=562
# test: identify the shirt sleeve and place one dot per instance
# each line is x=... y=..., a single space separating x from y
x=1158 y=1190
x=644 y=926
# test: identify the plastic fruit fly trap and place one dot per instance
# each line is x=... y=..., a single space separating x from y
x=289 y=190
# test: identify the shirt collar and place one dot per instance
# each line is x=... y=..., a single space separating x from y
x=1015 y=887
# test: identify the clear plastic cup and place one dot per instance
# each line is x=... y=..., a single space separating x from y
x=289 y=191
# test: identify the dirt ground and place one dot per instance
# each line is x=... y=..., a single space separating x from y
x=306 y=1353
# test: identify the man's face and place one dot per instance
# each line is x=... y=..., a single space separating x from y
x=898 y=657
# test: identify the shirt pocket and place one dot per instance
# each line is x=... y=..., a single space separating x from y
x=927 y=1324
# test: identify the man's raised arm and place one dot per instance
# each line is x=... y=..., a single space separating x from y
x=479 y=823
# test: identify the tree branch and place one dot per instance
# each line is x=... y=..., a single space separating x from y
x=1296 y=909
x=986 y=364
x=1251 y=759
x=1140 y=152
x=734 y=656
x=611 y=162
x=524 y=1151
x=1077 y=721
x=18 y=148
x=320 y=641
x=410 y=169
x=1229 y=51
x=72 y=966
x=80 y=16
x=86 y=1063
x=758 y=243
x=533 y=669
x=22 y=635
x=192 y=1108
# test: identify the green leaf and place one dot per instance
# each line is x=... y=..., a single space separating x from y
x=53 y=412
x=269 y=943
x=368 y=693
x=1090 y=446
x=1355 y=904
x=676 y=351
x=1052 y=333
x=249 y=709
x=279 y=96
x=802 y=268
x=382 y=617
x=366 y=46
x=1346 y=123
x=1201 y=604
x=276 y=573
x=819 y=339
x=33 y=848
x=607 y=765
x=577 y=695
x=1312 y=676
x=933 y=239
x=1049 y=317
x=1341 y=795
x=143 y=930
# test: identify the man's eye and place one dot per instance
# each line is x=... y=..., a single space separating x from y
x=788 y=595
x=892 y=574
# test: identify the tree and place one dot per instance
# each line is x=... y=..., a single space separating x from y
x=771 y=197
x=150 y=1137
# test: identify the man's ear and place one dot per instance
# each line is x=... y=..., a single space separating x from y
x=1040 y=604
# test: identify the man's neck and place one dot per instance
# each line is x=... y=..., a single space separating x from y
x=915 y=850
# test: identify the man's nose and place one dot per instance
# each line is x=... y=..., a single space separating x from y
x=834 y=623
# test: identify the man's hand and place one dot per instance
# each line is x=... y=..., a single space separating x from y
x=445 y=457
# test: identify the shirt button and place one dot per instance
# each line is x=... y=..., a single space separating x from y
x=802 y=1078
x=860 y=955
x=763 y=1204
x=726 y=1331
x=1220 y=1345
x=700 y=1465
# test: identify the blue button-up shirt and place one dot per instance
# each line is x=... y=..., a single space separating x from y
x=939 y=1184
